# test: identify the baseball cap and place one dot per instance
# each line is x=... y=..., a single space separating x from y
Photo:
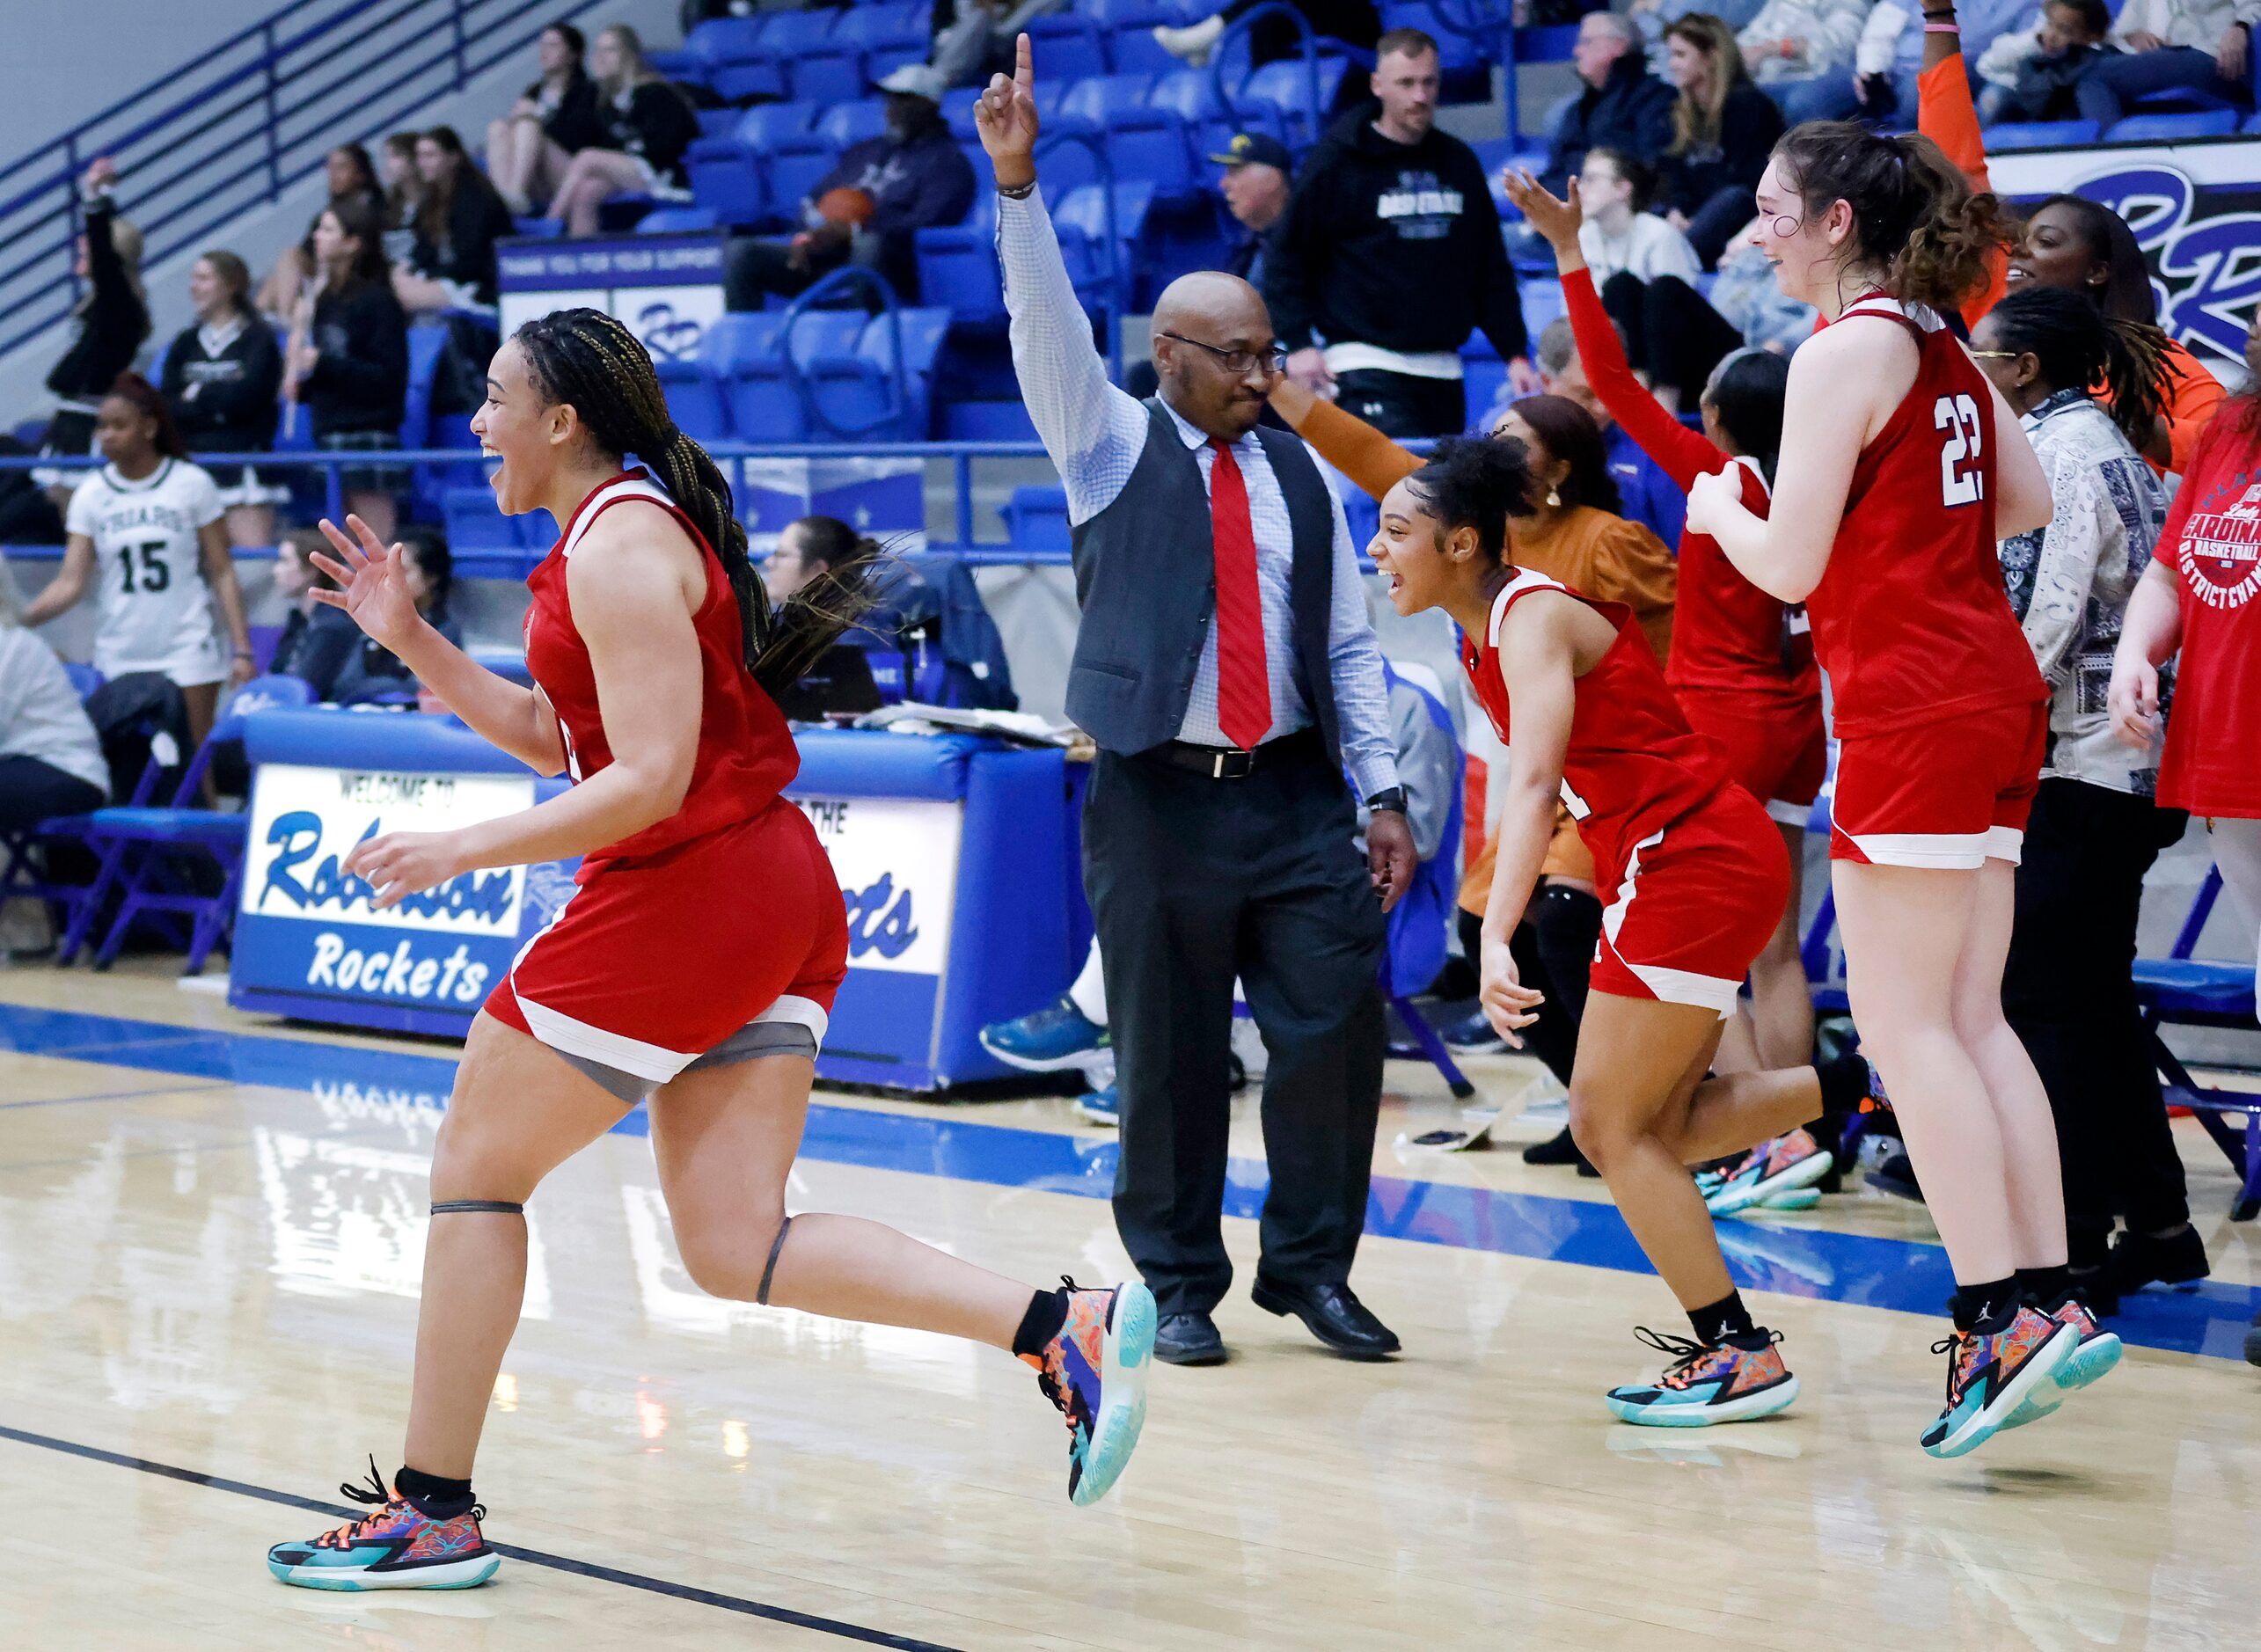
x=916 y=80
x=1256 y=149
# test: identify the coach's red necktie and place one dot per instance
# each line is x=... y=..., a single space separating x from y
x=1244 y=683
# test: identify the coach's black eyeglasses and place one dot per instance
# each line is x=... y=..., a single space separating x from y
x=1239 y=362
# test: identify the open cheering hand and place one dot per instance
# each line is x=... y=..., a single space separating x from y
x=1004 y=115
x=1557 y=220
x=372 y=589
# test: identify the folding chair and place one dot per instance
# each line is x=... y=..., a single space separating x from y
x=1415 y=949
x=144 y=847
x=2206 y=992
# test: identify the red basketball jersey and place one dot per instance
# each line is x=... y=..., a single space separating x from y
x=746 y=755
x=1911 y=620
x=1633 y=766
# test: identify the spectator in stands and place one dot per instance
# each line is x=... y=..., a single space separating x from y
x=2095 y=830
x=2031 y=76
x=841 y=679
x=50 y=762
x=974 y=40
x=1646 y=494
x=1259 y=178
x=348 y=357
x=1888 y=56
x=1656 y=17
x=107 y=324
x=1353 y=22
x=460 y=217
x=28 y=515
x=1622 y=105
x=404 y=189
x=1797 y=50
x=351 y=175
x=647 y=127
x=2071 y=242
x=553 y=121
x=2203 y=45
x=1723 y=130
x=316 y=638
x=1384 y=208
x=870 y=206
x=223 y=378
x=371 y=672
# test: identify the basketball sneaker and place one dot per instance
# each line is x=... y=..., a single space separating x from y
x=397 y=1547
x=1050 y=1040
x=1094 y=1371
x=1729 y=1381
x=2096 y=1352
x=1990 y=1374
x=1787 y=1164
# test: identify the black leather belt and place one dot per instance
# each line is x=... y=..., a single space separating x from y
x=1230 y=763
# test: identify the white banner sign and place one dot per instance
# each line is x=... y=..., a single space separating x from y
x=897 y=862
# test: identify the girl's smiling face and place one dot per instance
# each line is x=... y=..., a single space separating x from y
x=1425 y=568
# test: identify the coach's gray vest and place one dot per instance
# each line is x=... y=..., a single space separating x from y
x=1146 y=580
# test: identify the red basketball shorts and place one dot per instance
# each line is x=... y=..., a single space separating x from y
x=1695 y=903
x=725 y=947
x=1778 y=754
x=1949 y=794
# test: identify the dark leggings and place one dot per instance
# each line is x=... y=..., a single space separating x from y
x=31 y=791
x=1553 y=948
x=1671 y=332
x=2067 y=994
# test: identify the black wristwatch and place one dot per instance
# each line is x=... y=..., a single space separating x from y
x=1393 y=799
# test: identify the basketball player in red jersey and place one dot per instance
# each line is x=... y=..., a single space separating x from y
x=1694 y=875
x=1900 y=469
x=695 y=962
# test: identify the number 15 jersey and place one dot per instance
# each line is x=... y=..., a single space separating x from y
x=1911 y=620
x=155 y=608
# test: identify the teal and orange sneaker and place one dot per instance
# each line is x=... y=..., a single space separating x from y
x=2096 y=1352
x=397 y=1547
x=1729 y=1381
x=1991 y=1374
x=1094 y=1371
x=1777 y=1174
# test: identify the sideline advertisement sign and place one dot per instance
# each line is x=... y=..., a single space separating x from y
x=668 y=288
x=2196 y=211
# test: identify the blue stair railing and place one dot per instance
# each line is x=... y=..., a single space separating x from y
x=237 y=127
x=1243 y=27
x=850 y=279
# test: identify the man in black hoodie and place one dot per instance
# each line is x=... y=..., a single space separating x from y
x=1622 y=105
x=1391 y=255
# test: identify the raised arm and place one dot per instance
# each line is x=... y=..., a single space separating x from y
x=1372 y=462
x=1685 y=453
x=1092 y=429
x=375 y=596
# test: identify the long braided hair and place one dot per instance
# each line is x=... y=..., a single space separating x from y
x=586 y=359
x=2080 y=348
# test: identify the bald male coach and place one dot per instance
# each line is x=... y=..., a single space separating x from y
x=1227 y=671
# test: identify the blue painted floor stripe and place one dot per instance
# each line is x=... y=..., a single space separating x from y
x=1802 y=1262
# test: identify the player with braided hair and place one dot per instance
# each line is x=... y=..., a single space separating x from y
x=694 y=964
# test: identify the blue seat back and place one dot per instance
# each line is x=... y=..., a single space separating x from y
x=1068 y=46
x=792 y=174
x=1102 y=99
x=741 y=339
x=772 y=123
x=787 y=33
x=675 y=220
x=829 y=76
x=1189 y=93
x=262 y=694
x=719 y=40
x=848 y=123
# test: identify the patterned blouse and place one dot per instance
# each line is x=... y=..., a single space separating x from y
x=2069 y=582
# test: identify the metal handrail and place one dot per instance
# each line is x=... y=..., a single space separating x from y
x=1242 y=29
x=239 y=125
x=847 y=278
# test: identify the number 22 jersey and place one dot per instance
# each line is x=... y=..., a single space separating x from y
x=1910 y=619
x=154 y=605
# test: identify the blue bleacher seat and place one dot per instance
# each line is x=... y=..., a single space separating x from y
x=860 y=395
x=1080 y=221
x=1285 y=87
x=847 y=123
x=987 y=421
x=715 y=122
x=789 y=34
x=957 y=265
x=1192 y=94
x=473 y=523
x=2034 y=135
x=2166 y=129
x=746 y=352
x=1036 y=519
x=676 y=220
x=829 y=77
x=865 y=42
x=1482 y=373
x=718 y=38
x=1068 y=46
x=727 y=177
x=792 y=176
x=749 y=80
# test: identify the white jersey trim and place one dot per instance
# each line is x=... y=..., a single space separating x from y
x=1950 y=851
x=1524 y=580
x=1878 y=304
x=614 y=491
x=1669 y=985
x=651 y=1063
x=800 y=1011
x=1788 y=813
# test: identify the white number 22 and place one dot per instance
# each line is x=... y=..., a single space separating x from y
x=1961 y=481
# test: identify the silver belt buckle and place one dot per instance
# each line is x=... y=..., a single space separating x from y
x=1217 y=766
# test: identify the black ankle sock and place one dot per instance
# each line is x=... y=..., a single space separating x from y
x=434 y=1498
x=1047 y=1312
x=1844 y=1087
x=1723 y=1318
x=1983 y=1307
x=2044 y=1287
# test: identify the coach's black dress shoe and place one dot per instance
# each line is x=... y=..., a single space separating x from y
x=1333 y=1315
x=1189 y=1338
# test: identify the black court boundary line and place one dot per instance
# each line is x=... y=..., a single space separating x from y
x=509 y=1551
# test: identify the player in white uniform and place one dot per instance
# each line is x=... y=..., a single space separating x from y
x=147 y=533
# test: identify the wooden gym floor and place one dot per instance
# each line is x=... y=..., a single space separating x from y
x=210 y=1231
